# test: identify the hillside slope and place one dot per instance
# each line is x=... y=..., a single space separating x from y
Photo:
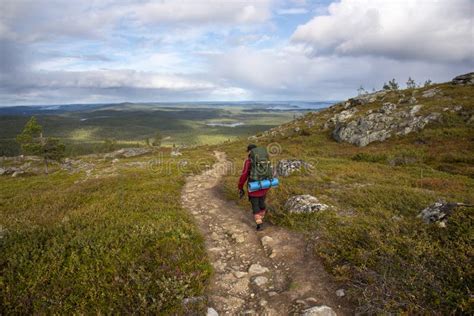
x=103 y=235
x=376 y=161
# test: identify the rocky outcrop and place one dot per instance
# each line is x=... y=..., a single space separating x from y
x=464 y=79
x=382 y=124
x=340 y=117
x=438 y=212
x=287 y=166
x=304 y=204
x=128 y=153
x=77 y=165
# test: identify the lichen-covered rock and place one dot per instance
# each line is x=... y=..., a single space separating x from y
x=304 y=204
x=430 y=93
x=438 y=212
x=464 y=79
x=340 y=117
x=322 y=310
x=286 y=167
x=382 y=124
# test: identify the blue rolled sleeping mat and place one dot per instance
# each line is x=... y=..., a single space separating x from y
x=263 y=184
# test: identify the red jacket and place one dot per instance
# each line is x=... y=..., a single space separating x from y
x=244 y=177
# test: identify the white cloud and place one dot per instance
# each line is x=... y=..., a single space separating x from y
x=204 y=11
x=289 y=73
x=117 y=79
x=440 y=31
x=292 y=11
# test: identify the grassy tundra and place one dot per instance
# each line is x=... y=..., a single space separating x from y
x=372 y=239
x=116 y=240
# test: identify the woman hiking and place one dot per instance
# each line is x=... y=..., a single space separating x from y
x=256 y=167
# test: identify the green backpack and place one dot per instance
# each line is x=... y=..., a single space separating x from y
x=260 y=165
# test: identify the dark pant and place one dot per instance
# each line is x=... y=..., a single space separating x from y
x=258 y=203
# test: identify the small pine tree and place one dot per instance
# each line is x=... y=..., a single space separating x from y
x=32 y=142
x=361 y=90
x=386 y=86
x=427 y=83
x=393 y=84
x=411 y=84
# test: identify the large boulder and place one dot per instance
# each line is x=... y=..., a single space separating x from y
x=382 y=124
x=286 y=167
x=438 y=212
x=464 y=79
x=304 y=204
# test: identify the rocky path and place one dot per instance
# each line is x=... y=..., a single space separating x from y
x=256 y=273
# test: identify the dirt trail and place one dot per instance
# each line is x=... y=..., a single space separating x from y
x=262 y=273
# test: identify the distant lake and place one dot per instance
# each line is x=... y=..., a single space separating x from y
x=225 y=124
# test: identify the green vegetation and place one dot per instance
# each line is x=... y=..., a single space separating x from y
x=84 y=132
x=110 y=243
x=371 y=239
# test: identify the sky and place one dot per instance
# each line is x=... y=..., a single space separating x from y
x=100 y=51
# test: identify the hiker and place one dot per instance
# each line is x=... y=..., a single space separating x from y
x=252 y=173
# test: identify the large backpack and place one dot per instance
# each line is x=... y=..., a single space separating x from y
x=260 y=165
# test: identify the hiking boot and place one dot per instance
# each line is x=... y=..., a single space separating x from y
x=259 y=227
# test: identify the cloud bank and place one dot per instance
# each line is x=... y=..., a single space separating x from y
x=58 y=51
x=438 y=31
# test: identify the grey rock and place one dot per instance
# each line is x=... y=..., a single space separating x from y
x=257 y=269
x=260 y=280
x=340 y=117
x=430 y=93
x=286 y=167
x=17 y=173
x=240 y=274
x=267 y=241
x=387 y=108
x=9 y=171
x=340 y=293
x=304 y=204
x=322 y=310
x=438 y=212
x=464 y=79
x=211 y=312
